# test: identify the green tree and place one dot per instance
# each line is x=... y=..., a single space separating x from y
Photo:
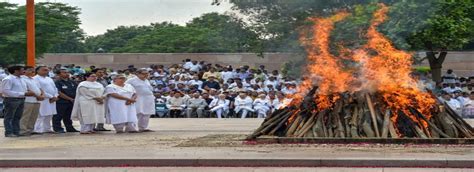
x=432 y=26
x=172 y=39
x=12 y=39
x=115 y=39
x=54 y=22
x=211 y=32
x=449 y=27
x=228 y=33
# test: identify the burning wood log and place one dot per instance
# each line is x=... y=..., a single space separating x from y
x=354 y=119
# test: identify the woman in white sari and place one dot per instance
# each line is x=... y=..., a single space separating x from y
x=121 y=111
x=89 y=106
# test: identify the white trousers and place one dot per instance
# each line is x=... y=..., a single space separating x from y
x=245 y=111
x=129 y=126
x=262 y=113
x=143 y=121
x=43 y=124
x=220 y=109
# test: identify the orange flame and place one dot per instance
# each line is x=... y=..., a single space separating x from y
x=324 y=66
x=389 y=73
x=382 y=68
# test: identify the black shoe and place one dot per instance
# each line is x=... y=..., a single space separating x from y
x=60 y=132
x=72 y=131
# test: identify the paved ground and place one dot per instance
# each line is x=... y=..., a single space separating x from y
x=206 y=140
x=214 y=169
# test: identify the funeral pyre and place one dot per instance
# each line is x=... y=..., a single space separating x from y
x=374 y=97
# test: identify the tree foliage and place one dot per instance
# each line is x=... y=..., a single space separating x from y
x=56 y=25
x=433 y=26
x=211 y=32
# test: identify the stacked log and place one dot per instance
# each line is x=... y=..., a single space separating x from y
x=361 y=115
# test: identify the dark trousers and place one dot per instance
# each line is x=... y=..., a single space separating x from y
x=64 y=113
x=12 y=115
x=174 y=113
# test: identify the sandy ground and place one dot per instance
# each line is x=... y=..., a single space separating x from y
x=206 y=138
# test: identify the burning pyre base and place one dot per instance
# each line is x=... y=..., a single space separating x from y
x=362 y=116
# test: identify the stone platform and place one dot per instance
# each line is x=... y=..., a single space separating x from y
x=215 y=143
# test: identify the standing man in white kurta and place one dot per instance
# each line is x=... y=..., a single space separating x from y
x=120 y=109
x=48 y=105
x=145 y=99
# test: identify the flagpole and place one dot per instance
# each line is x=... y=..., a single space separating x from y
x=30 y=33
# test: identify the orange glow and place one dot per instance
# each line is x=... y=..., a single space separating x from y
x=324 y=67
x=388 y=72
x=381 y=69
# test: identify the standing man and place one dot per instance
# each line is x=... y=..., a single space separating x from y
x=32 y=103
x=67 y=93
x=14 y=91
x=102 y=79
x=48 y=105
x=100 y=73
x=145 y=99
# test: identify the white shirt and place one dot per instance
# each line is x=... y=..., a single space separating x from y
x=195 y=82
x=246 y=102
x=219 y=102
x=48 y=86
x=194 y=67
x=274 y=83
x=451 y=90
x=13 y=86
x=455 y=105
x=287 y=91
x=187 y=65
x=142 y=87
x=32 y=85
x=226 y=75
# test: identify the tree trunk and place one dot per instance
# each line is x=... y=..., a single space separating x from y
x=436 y=64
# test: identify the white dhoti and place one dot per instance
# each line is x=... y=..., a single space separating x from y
x=46 y=112
x=129 y=126
x=43 y=124
x=143 y=121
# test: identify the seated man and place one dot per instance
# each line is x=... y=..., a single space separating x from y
x=220 y=105
x=195 y=104
x=160 y=105
x=452 y=103
x=261 y=105
x=243 y=104
x=176 y=104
